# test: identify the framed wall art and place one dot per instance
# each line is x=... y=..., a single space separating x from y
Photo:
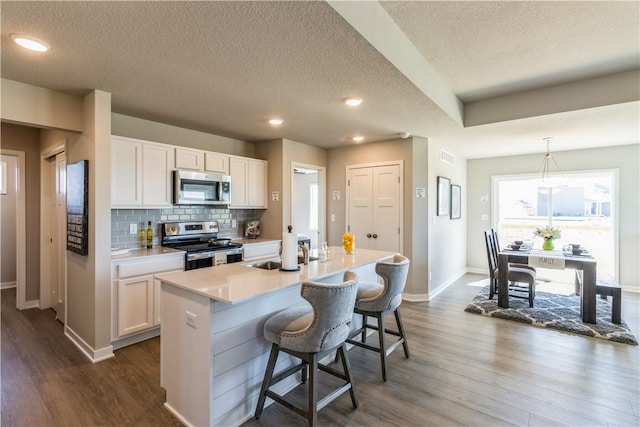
x=444 y=195
x=456 y=201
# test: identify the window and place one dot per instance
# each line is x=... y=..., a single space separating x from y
x=581 y=204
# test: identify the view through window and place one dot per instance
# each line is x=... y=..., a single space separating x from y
x=580 y=204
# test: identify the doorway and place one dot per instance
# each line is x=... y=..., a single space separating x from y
x=308 y=201
x=13 y=195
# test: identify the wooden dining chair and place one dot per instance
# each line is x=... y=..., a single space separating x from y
x=517 y=275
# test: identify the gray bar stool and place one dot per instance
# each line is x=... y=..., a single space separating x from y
x=377 y=301
x=309 y=333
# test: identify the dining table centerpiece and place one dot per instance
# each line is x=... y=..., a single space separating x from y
x=549 y=234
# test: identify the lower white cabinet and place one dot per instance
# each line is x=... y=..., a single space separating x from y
x=136 y=293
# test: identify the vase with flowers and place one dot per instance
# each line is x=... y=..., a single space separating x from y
x=549 y=234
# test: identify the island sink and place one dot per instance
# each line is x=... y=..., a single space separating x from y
x=273 y=264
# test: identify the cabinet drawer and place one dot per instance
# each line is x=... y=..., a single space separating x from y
x=139 y=268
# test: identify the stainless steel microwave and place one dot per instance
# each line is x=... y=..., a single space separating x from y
x=198 y=188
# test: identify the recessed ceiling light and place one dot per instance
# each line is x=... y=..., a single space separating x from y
x=275 y=122
x=30 y=43
x=352 y=101
x=358 y=138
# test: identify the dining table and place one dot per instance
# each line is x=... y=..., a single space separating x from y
x=585 y=284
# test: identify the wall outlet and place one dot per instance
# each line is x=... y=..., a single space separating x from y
x=234 y=223
x=133 y=228
x=429 y=276
x=333 y=218
x=191 y=319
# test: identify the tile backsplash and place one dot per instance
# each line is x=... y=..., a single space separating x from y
x=121 y=219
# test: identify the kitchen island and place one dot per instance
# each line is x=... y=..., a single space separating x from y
x=212 y=350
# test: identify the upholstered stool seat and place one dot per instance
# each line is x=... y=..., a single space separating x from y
x=309 y=333
x=377 y=300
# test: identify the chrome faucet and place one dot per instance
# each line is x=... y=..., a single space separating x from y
x=305 y=252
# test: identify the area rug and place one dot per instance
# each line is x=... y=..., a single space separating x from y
x=554 y=311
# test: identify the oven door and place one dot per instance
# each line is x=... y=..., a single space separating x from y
x=198 y=260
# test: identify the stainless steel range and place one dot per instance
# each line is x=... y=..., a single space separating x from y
x=201 y=243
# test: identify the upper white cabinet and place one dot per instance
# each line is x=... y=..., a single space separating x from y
x=248 y=182
x=126 y=172
x=216 y=162
x=157 y=164
x=189 y=159
x=140 y=173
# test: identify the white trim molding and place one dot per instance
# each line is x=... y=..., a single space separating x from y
x=93 y=355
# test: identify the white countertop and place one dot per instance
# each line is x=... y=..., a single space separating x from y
x=134 y=253
x=234 y=283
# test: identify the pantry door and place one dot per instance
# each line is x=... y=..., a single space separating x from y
x=374 y=206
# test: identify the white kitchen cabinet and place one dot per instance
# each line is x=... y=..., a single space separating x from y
x=189 y=159
x=136 y=294
x=157 y=164
x=248 y=182
x=140 y=173
x=126 y=172
x=216 y=162
x=135 y=304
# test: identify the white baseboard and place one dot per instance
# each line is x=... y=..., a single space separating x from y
x=8 y=285
x=34 y=303
x=134 y=339
x=432 y=294
x=93 y=355
x=477 y=270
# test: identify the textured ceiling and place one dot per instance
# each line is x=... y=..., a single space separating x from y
x=226 y=67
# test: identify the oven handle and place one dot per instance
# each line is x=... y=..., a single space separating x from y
x=199 y=255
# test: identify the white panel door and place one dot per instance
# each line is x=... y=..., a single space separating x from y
x=385 y=234
x=374 y=203
x=360 y=221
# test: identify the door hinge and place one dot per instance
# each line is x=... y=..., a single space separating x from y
x=398 y=180
x=398 y=230
x=348 y=183
x=348 y=228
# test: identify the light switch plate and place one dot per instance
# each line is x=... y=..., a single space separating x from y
x=133 y=228
x=234 y=223
x=191 y=319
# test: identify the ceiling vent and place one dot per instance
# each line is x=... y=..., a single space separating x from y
x=446 y=156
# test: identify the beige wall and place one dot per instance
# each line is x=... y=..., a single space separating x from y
x=624 y=158
x=23 y=103
x=271 y=219
x=447 y=237
x=133 y=127
x=89 y=277
x=26 y=139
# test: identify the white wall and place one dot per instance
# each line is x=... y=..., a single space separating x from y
x=625 y=158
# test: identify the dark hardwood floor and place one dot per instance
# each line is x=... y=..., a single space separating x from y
x=464 y=369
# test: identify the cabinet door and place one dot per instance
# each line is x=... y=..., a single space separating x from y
x=257 y=183
x=189 y=159
x=238 y=171
x=126 y=176
x=157 y=164
x=135 y=304
x=216 y=162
